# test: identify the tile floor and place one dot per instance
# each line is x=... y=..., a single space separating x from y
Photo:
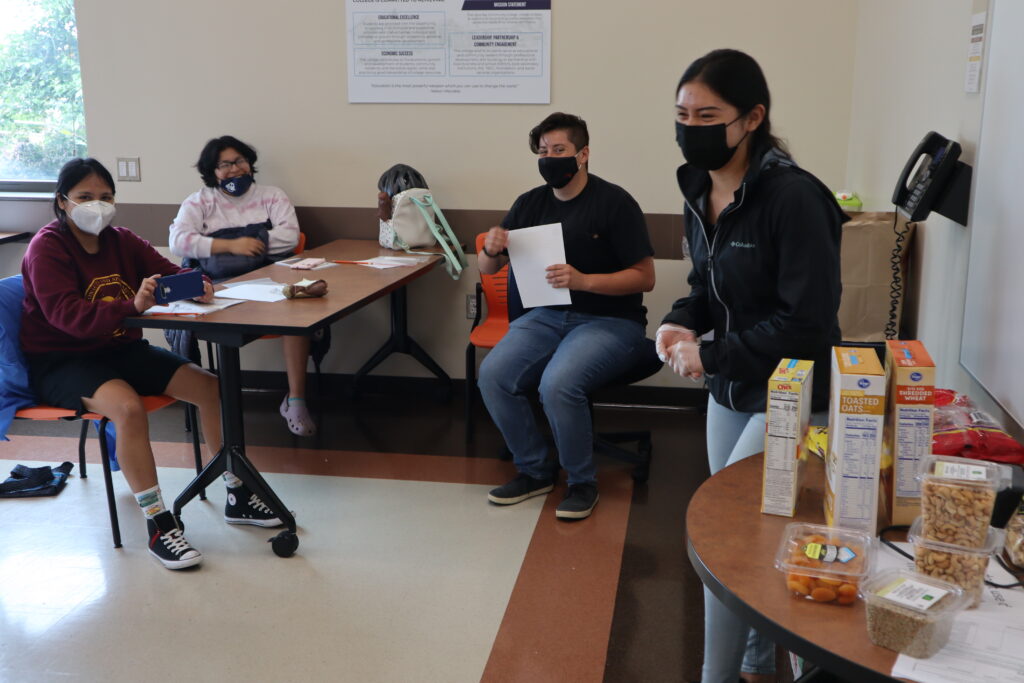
x=404 y=572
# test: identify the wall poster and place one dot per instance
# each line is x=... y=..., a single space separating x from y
x=453 y=51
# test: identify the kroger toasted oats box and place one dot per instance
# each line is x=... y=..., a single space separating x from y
x=788 y=412
x=910 y=403
x=856 y=414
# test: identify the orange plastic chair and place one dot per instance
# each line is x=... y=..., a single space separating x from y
x=151 y=404
x=488 y=333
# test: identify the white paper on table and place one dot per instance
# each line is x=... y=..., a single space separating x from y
x=255 y=292
x=987 y=643
x=185 y=307
x=257 y=281
x=530 y=252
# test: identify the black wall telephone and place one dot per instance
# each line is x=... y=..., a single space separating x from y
x=939 y=182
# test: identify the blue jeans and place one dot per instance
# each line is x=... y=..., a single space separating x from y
x=729 y=643
x=565 y=355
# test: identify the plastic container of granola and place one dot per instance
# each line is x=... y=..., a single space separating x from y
x=957 y=498
x=955 y=563
x=910 y=613
x=824 y=564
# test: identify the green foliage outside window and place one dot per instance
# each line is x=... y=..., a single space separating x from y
x=42 y=123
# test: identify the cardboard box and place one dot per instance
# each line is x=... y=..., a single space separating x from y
x=866 y=264
x=910 y=404
x=856 y=416
x=788 y=412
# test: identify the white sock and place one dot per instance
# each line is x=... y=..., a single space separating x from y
x=151 y=502
x=232 y=481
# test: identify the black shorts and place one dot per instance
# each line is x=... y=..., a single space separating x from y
x=63 y=379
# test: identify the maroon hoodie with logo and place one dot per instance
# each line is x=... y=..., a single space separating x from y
x=76 y=302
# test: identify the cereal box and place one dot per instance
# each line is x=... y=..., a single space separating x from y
x=910 y=374
x=855 y=421
x=788 y=412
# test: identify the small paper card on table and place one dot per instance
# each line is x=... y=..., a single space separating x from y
x=530 y=252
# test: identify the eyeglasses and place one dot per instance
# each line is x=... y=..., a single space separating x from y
x=240 y=162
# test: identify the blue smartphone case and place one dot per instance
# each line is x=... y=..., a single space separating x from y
x=177 y=287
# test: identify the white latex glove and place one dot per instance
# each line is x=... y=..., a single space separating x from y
x=667 y=336
x=684 y=359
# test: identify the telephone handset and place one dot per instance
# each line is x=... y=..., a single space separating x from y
x=931 y=163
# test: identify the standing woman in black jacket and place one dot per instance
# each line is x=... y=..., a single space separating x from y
x=764 y=239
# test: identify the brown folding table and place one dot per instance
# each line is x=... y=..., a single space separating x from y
x=350 y=287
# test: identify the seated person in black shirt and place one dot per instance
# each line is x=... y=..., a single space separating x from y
x=566 y=351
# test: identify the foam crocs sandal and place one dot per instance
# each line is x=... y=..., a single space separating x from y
x=296 y=414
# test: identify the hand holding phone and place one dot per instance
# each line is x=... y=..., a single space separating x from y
x=177 y=287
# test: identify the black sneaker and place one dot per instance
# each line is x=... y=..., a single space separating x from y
x=245 y=507
x=168 y=544
x=579 y=502
x=519 y=489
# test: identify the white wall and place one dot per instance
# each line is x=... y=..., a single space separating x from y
x=162 y=78
x=911 y=58
x=855 y=86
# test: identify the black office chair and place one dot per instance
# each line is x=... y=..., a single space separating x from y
x=607 y=443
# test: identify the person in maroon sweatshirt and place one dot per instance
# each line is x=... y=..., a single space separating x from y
x=82 y=278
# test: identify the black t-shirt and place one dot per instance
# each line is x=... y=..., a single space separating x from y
x=604 y=232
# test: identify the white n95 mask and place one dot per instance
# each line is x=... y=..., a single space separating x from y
x=92 y=217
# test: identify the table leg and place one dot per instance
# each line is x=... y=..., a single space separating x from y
x=231 y=457
x=400 y=342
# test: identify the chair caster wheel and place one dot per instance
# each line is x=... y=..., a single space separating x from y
x=284 y=544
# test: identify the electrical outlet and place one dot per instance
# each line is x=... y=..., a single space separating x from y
x=470 y=306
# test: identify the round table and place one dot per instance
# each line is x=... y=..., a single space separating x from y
x=732 y=546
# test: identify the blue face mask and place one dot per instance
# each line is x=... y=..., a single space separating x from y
x=236 y=187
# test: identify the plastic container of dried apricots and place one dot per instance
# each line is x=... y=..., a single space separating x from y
x=824 y=564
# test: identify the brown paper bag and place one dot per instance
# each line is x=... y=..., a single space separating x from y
x=867 y=275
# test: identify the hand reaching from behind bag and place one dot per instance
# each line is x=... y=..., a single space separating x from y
x=240 y=246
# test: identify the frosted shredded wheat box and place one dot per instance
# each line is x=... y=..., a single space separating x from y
x=910 y=374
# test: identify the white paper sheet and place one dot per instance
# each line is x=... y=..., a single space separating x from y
x=531 y=251
x=987 y=643
x=254 y=292
x=192 y=307
x=257 y=281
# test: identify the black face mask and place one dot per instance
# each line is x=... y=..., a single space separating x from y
x=557 y=171
x=704 y=146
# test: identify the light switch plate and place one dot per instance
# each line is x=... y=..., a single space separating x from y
x=128 y=169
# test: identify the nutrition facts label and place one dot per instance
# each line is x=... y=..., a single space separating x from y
x=859 y=467
x=784 y=428
x=913 y=436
